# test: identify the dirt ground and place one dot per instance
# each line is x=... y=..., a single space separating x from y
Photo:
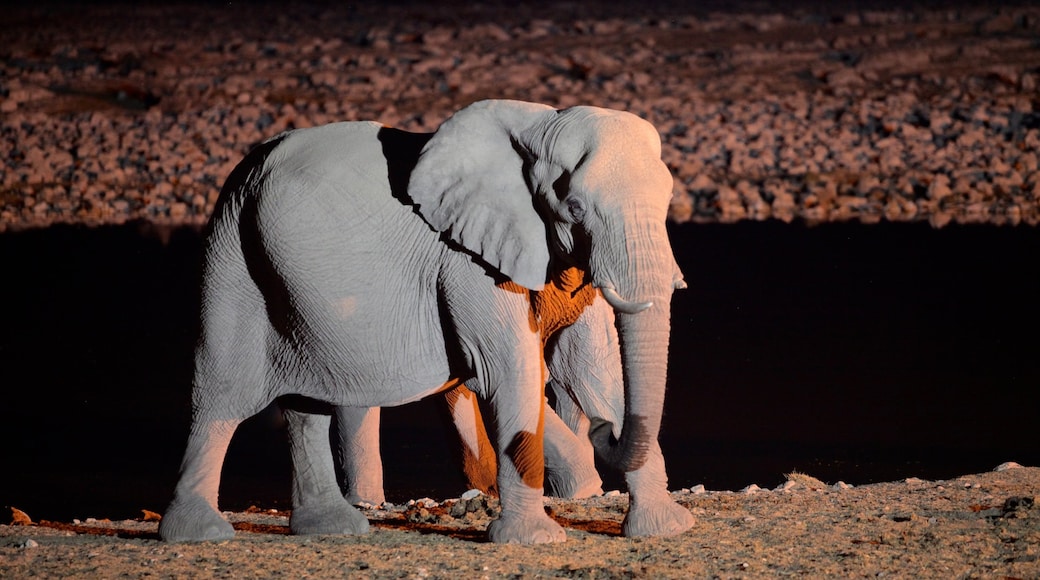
x=975 y=526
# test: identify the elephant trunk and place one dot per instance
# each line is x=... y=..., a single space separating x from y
x=644 y=358
x=643 y=332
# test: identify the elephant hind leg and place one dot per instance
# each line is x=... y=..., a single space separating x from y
x=357 y=430
x=318 y=505
x=193 y=516
x=229 y=373
x=570 y=460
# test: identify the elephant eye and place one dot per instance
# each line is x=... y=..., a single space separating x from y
x=562 y=185
x=576 y=209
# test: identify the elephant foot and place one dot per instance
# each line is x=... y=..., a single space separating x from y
x=193 y=520
x=658 y=518
x=332 y=517
x=365 y=499
x=525 y=529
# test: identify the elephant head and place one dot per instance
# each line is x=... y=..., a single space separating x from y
x=532 y=190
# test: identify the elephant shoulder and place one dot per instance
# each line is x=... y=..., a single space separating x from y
x=329 y=152
x=339 y=163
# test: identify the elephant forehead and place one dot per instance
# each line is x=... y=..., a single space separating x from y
x=618 y=150
x=623 y=178
x=609 y=127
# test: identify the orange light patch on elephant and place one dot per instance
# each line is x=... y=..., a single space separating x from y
x=562 y=301
x=449 y=385
x=527 y=454
x=478 y=455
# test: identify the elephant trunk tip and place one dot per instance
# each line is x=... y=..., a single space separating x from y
x=627 y=454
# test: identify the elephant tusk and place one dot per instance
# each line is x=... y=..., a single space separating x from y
x=620 y=304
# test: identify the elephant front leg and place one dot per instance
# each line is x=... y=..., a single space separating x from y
x=318 y=505
x=651 y=510
x=521 y=472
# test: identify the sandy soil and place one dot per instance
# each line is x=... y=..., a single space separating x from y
x=976 y=526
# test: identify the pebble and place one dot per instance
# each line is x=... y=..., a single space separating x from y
x=1006 y=466
x=471 y=494
x=29 y=543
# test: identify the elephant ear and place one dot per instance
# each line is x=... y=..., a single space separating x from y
x=469 y=182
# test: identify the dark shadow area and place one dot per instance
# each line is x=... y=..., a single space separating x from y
x=859 y=353
x=852 y=352
x=97 y=531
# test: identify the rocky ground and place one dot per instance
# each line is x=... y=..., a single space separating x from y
x=976 y=526
x=841 y=112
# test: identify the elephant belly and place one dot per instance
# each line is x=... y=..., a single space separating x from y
x=370 y=325
x=354 y=307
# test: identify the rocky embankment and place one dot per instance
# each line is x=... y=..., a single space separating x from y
x=117 y=113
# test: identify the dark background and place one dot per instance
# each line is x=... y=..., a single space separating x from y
x=846 y=351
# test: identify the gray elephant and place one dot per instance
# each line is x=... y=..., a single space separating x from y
x=584 y=365
x=364 y=266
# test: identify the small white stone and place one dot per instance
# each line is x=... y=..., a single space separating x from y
x=30 y=543
x=840 y=486
x=471 y=494
x=1006 y=466
x=751 y=489
x=698 y=489
x=612 y=493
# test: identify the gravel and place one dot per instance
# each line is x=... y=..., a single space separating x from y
x=117 y=113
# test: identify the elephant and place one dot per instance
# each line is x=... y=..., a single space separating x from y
x=584 y=364
x=359 y=265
